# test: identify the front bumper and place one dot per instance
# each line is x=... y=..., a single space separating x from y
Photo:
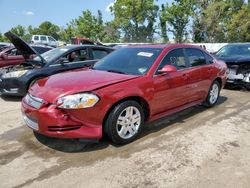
x=12 y=87
x=54 y=122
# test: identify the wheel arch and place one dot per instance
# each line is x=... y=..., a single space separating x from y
x=143 y=102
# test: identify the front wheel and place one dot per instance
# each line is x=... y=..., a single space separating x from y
x=124 y=122
x=213 y=94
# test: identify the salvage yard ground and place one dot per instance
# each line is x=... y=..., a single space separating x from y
x=197 y=147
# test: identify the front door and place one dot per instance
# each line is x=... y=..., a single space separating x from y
x=170 y=90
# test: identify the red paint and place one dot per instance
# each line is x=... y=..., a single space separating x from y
x=10 y=60
x=164 y=93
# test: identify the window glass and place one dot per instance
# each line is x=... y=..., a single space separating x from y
x=78 y=55
x=176 y=58
x=99 y=54
x=135 y=61
x=51 y=39
x=36 y=38
x=210 y=60
x=43 y=38
x=13 y=52
x=196 y=57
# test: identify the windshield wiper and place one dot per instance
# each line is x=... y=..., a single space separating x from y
x=116 y=71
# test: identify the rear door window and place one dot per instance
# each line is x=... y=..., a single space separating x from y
x=195 y=57
x=43 y=38
x=99 y=53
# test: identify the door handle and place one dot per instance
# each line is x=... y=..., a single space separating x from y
x=185 y=76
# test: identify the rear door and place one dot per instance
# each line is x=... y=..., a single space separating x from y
x=170 y=90
x=198 y=74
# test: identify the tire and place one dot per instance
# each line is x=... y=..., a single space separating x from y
x=213 y=94
x=124 y=122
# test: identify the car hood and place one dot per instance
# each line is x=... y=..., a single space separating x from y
x=22 y=46
x=235 y=60
x=82 y=80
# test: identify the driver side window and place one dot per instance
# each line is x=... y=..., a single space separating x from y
x=78 y=55
x=176 y=58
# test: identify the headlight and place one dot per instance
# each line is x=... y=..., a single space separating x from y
x=78 y=101
x=16 y=74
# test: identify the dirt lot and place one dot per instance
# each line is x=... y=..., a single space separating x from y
x=198 y=147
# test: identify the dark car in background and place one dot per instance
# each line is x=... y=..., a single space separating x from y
x=12 y=56
x=237 y=58
x=17 y=80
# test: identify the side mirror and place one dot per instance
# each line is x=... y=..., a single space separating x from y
x=63 y=60
x=167 y=69
x=4 y=56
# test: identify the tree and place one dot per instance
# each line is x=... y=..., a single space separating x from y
x=163 y=24
x=212 y=20
x=135 y=19
x=178 y=16
x=111 y=33
x=89 y=26
x=239 y=27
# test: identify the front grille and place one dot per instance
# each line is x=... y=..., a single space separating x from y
x=33 y=101
x=58 y=128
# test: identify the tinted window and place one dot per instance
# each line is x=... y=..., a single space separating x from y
x=51 y=39
x=99 y=54
x=43 y=38
x=176 y=58
x=210 y=60
x=195 y=57
x=234 y=50
x=136 y=61
x=53 y=54
x=36 y=38
x=41 y=50
x=78 y=55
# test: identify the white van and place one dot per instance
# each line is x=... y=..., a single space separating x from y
x=44 y=39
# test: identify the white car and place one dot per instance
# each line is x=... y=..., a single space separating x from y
x=44 y=39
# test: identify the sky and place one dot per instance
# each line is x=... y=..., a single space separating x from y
x=60 y=12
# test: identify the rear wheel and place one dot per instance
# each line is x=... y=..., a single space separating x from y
x=213 y=94
x=124 y=122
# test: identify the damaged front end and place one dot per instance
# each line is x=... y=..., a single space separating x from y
x=238 y=75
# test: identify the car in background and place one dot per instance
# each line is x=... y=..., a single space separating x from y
x=17 y=79
x=12 y=56
x=45 y=40
x=4 y=45
x=237 y=58
x=119 y=93
x=80 y=40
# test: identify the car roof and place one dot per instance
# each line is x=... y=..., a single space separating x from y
x=85 y=45
x=163 y=46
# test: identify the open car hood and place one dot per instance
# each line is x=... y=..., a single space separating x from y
x=22 y=46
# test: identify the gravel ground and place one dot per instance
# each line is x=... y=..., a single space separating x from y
x=197 y=147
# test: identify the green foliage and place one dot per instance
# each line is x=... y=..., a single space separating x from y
x=221 y=21
x=135 y=19
x=163 y=23
x=178 y=16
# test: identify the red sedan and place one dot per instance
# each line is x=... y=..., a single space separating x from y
x=122 y=91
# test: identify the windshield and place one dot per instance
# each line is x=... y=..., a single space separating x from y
x=234 y=51
x=135 y=61
x=52 y=54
